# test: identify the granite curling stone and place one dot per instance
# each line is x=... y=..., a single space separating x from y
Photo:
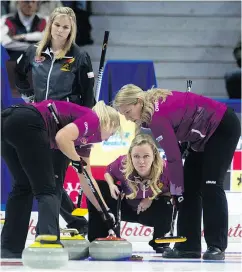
x=110 y=249
x=45 y=253
x=76 y=245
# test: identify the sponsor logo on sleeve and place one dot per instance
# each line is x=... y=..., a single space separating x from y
x=157 y=106
x=160 y=138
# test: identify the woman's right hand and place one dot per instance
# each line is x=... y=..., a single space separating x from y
x=114 y=191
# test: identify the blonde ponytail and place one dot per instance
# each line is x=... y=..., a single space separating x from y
x=108 y=116
x=130 y=95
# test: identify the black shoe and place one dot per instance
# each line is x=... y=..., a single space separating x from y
x=80 y=225
x=214 y=253
x=162 y=249
x=7 y=254
x=181 y=254
x=159 y=248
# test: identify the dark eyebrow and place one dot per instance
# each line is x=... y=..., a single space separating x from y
x=59 y=24
x=139 y=154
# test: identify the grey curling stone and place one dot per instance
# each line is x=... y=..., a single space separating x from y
x=110 y=249
x=76 y=245
x=45 y=256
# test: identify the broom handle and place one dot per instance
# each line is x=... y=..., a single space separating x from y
x=174 y=214
x=118 y=219
x=79 y=200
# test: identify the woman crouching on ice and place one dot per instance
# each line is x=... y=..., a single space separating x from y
x=144 y=183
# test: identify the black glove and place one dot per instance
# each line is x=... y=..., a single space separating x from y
x=177 y=201
x=79 y=165
x=110 y=220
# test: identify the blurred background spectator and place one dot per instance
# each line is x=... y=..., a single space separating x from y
x=233 y=78
x=82 y=10
x=47 y=7
x=21 y=28
x=43 y=9
x=4 y=7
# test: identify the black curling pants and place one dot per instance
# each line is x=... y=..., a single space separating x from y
x=26 y=150
x=204 y=174
x=61 y=162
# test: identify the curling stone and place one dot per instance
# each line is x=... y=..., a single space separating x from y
x=76 y=245
x=110 y=249
x=45 y=253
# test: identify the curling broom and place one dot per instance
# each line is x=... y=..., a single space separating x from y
x=101 y=64
x=81 y=211
x=171 y=238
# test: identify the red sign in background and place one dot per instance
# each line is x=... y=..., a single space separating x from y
x=237 y=160
x=72 y=183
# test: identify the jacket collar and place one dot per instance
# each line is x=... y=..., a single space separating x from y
x=48 y=51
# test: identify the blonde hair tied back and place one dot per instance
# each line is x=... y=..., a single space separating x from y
x=108 y=116
x=131 y=94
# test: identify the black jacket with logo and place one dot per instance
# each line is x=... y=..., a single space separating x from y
x=70 y=78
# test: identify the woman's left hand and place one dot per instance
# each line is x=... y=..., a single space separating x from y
x=144 y=205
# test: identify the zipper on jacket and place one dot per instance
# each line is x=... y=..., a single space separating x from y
x=143 y=191
x=48 y=78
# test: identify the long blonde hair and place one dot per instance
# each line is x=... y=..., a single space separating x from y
x=47 y=33
x=131 y=94
x=156 y=167
x=108 y=116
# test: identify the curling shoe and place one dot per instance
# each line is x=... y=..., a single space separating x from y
x=158 y=247
x=80 y=224
x=181 y=254
x=214 y=253
x=162 y=249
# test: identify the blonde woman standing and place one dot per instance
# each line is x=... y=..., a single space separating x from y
x=212 y=130
x=143 y=178
x=60 y=71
